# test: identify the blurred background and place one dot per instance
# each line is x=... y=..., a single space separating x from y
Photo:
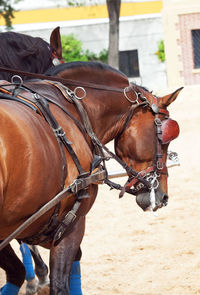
x=158 y=42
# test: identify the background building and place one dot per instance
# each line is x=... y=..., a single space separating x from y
x=141 y=30
x=181 y=23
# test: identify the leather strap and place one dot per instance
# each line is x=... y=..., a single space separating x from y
x=62 y=80
x=76 y=186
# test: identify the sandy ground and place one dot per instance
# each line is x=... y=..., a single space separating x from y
x=129 y=252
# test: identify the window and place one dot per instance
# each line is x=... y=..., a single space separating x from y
x=196 y=48
x=128 y=63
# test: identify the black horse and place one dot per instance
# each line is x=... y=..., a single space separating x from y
x=27 y=53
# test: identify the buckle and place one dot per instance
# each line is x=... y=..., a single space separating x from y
x=159 y=165
x=75 y=186
x=158 y=122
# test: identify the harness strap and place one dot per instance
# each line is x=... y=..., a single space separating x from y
x=159 y=153
x=62 y=80
x=72 y=216
x=129 y=117
x=57 y=129
x=63 y=89
x=87 y=124
x=128 y=169
x=73 y=188
x=143 y=173
x=19 y=98
x=43 y=109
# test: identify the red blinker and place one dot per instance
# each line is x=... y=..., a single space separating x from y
x=170 y=130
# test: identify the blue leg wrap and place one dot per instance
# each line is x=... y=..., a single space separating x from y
x=75 y=279
x=9 y=289
x=27 y=261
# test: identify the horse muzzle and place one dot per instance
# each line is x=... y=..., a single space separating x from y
x=144 y=200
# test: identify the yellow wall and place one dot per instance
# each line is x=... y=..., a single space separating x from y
x=86 y=12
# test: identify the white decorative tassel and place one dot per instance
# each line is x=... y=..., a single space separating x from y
x=152 y=198
x=153 y=202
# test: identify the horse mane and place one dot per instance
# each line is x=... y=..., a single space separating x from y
x=23 y=52
x=83 y=64
x=142 y=87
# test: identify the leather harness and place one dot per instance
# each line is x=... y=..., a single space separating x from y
x=79 y=187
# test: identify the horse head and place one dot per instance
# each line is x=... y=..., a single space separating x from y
x=137 y=120
x=143 y=144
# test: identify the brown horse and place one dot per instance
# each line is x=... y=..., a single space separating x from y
x=35 y=166
x=35 y=55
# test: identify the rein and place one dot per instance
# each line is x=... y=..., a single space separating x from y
x=75 y=187
x=62 y=80
x=148 y=177
x=85 y=117
x=80 y=184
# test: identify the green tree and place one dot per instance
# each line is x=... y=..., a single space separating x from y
x=72 y=51
x=113 y=7
x=6 y=11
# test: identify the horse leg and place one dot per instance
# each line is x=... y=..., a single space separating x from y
x=32 y=282
x=15 y=271
x=41 y=269
x=62 y=256
x=75 y=275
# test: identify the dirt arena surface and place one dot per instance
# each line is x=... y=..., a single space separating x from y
x=129 y=252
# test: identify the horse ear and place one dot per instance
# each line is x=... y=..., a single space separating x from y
x=55 y=42
x=168 y=99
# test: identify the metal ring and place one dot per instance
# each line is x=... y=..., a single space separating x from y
x=84 y=92
x=131 y=101
x=17 y=77
x=155 y=184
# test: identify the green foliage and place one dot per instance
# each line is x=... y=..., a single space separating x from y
x=73 y=51
x=73 y=3
x=161 y=51
x=6 y=11
x=78 y=3
x=102 y=56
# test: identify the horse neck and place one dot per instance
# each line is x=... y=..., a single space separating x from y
x=107 y=113
x=106 y=109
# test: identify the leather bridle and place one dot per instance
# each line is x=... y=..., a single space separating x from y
x=151 y=173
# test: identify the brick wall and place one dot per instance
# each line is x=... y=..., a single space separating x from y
x=188 y=22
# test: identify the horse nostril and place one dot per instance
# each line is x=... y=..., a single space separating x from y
x=165 y=199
